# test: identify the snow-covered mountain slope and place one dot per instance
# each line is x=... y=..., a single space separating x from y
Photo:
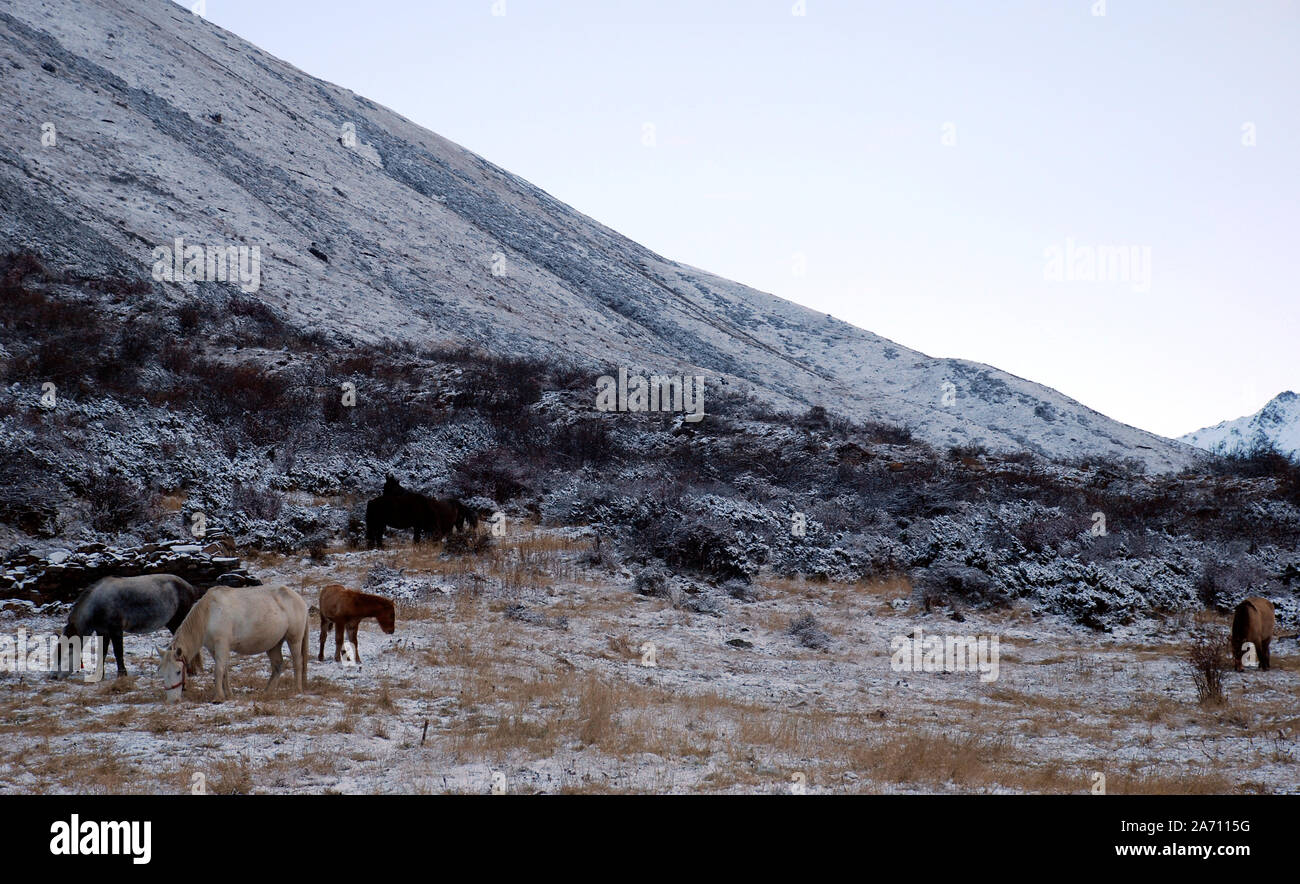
x=1276 y=424
x=371 y=227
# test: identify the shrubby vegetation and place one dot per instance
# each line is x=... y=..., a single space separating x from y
x=262 y=418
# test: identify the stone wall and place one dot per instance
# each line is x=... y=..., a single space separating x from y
x=60 y=575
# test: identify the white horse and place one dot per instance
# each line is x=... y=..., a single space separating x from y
x=246 y=620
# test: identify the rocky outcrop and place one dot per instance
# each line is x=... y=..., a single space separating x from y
x=60 y=575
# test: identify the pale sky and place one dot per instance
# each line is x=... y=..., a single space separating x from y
x=917 y=159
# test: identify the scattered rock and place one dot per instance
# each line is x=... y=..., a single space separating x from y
x=62 y=574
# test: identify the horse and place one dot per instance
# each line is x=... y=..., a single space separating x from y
x=243 y=619
x=466 y=517
x=113 y=606
x=451 y=515
x=399 y=507
x=344 y=609
x=1252 y=622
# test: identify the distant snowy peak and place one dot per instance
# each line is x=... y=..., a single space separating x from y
x=1276 y=424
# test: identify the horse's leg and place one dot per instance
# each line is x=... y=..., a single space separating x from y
x=324 y=631
x=221 y=663
x=298 y=654
x=338 y=641
x=352 y=637
x=277 y=664
x=103 y=652
x=1263 y=654
x=302 y=680
x=117 y=652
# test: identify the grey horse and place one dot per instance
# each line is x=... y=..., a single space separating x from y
x=116 y=605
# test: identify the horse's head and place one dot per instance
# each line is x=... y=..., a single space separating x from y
x=387 y=618
x=391 y=485
x=171 y=669
x=65 y=659
x=466 y=517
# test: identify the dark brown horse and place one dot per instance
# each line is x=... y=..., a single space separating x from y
x=400 y=507
x=452 y=515
x=345 y=608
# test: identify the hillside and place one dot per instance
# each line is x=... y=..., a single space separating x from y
x=372 y=229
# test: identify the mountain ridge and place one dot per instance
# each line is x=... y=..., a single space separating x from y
x=1276 y=425
x=412 y=226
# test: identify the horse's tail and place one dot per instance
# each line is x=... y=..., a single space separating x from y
x=188 y=591
x=1241 y=625
x=306 y=630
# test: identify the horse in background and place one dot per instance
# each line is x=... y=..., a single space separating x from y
x=245 y=620
x=451 y=515
x=1252 y=622
x=344 y=609
x=399 y=507
x=116 y=605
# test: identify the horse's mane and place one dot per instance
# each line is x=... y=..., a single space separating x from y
x=370 y=601
x=189 y=636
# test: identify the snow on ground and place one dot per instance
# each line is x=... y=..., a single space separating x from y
x=523 y=670
x=167 y=126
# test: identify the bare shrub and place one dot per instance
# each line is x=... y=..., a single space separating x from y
x=651 y=582
x=583 y=442
x=1206 y=659
x=254 y=502
x=492 y=473
x=886 y=434
x=1047 y=532
x=969 y=450
x=116 y=503
x=467 y=543
x=502 y=387
x=809 y=633
x=1221 y=584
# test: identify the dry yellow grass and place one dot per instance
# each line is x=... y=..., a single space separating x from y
x=475 y=688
